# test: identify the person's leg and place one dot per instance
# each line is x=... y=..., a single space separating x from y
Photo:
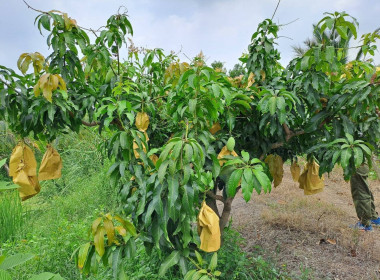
x=374 y=214
x=361 y=196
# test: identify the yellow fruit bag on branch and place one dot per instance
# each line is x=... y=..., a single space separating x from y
x=29 y=185
x=142 y=121
x=276 y=168
x=225 y=152
x=51 y=165
x=309 y=180
x=135 y=146
x=22 y=154
x=295 y=170
x=22 y=167
x=208 y=229
x=215 y=128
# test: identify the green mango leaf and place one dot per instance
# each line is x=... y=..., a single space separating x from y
x=281 y=104
x=342 y=31
x=16 y=260
x=82 y=254
x=215 y=166
x=365 y=149
x=233 y=182
x=350 y=138
x=162 y=171
x=188 y=153
x=192 y=105
x=170 y=261
x=173 y=187
x=199 y=258
x=345 y=157
x=190 y=274
x=263 y=180
x=117 y=262
x=124 y=140
x=213 y=262
x=330 y=53
x=6 y=186
x=358 y=156
x=336 y=156
x=186 y=174
x=247 y=184
x=46 y=276
x=272 y=105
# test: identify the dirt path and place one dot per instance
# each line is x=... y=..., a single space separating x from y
x=310 y=233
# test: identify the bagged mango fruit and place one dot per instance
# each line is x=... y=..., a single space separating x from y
x=51 y=165
x=225 y=152
x=135 y=146
x=22 y=167
x=215 y=128
x=295 y=170
x=276 y=168
x=154 y=158
x=142 y=121
x=309 y=180
x=22 y=153
x=208 y=229
x=29 y=185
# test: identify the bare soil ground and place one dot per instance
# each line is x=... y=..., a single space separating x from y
x=310 y=233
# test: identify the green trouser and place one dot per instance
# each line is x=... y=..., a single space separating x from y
x=363 y=198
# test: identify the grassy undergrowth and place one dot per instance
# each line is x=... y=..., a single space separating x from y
x=59 y=218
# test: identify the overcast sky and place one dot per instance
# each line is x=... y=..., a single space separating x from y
x=220 y=28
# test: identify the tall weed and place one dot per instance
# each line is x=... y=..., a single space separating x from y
x=11 y=215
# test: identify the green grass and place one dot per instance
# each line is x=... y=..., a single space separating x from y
x=12 y=217
x=62 y=213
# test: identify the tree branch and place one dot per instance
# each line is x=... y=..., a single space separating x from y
x=10 y=86
x=276 y=9
x=215 y=196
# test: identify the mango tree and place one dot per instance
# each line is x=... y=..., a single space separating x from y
x=183 y=133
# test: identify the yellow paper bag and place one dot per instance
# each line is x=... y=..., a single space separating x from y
x=295 y=170
x=22 y=154
x=309 y=180
x=142 y=121
x=225 y=152
x=315 y=184
x=276 y=168
x=215 y=128
x=51 y=165
x=29 y=185
x=135 y=146
x=209 y=231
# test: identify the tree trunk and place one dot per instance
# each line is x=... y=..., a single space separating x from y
x=226 y=213
x=211 y=202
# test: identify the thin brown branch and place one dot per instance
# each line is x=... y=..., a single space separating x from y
x=278 y=4
x=34 y=9
x=215 y=196
x=46 y=13
x=10 y=86
x=289 y=22
x=162 y=96
x=290 y=134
